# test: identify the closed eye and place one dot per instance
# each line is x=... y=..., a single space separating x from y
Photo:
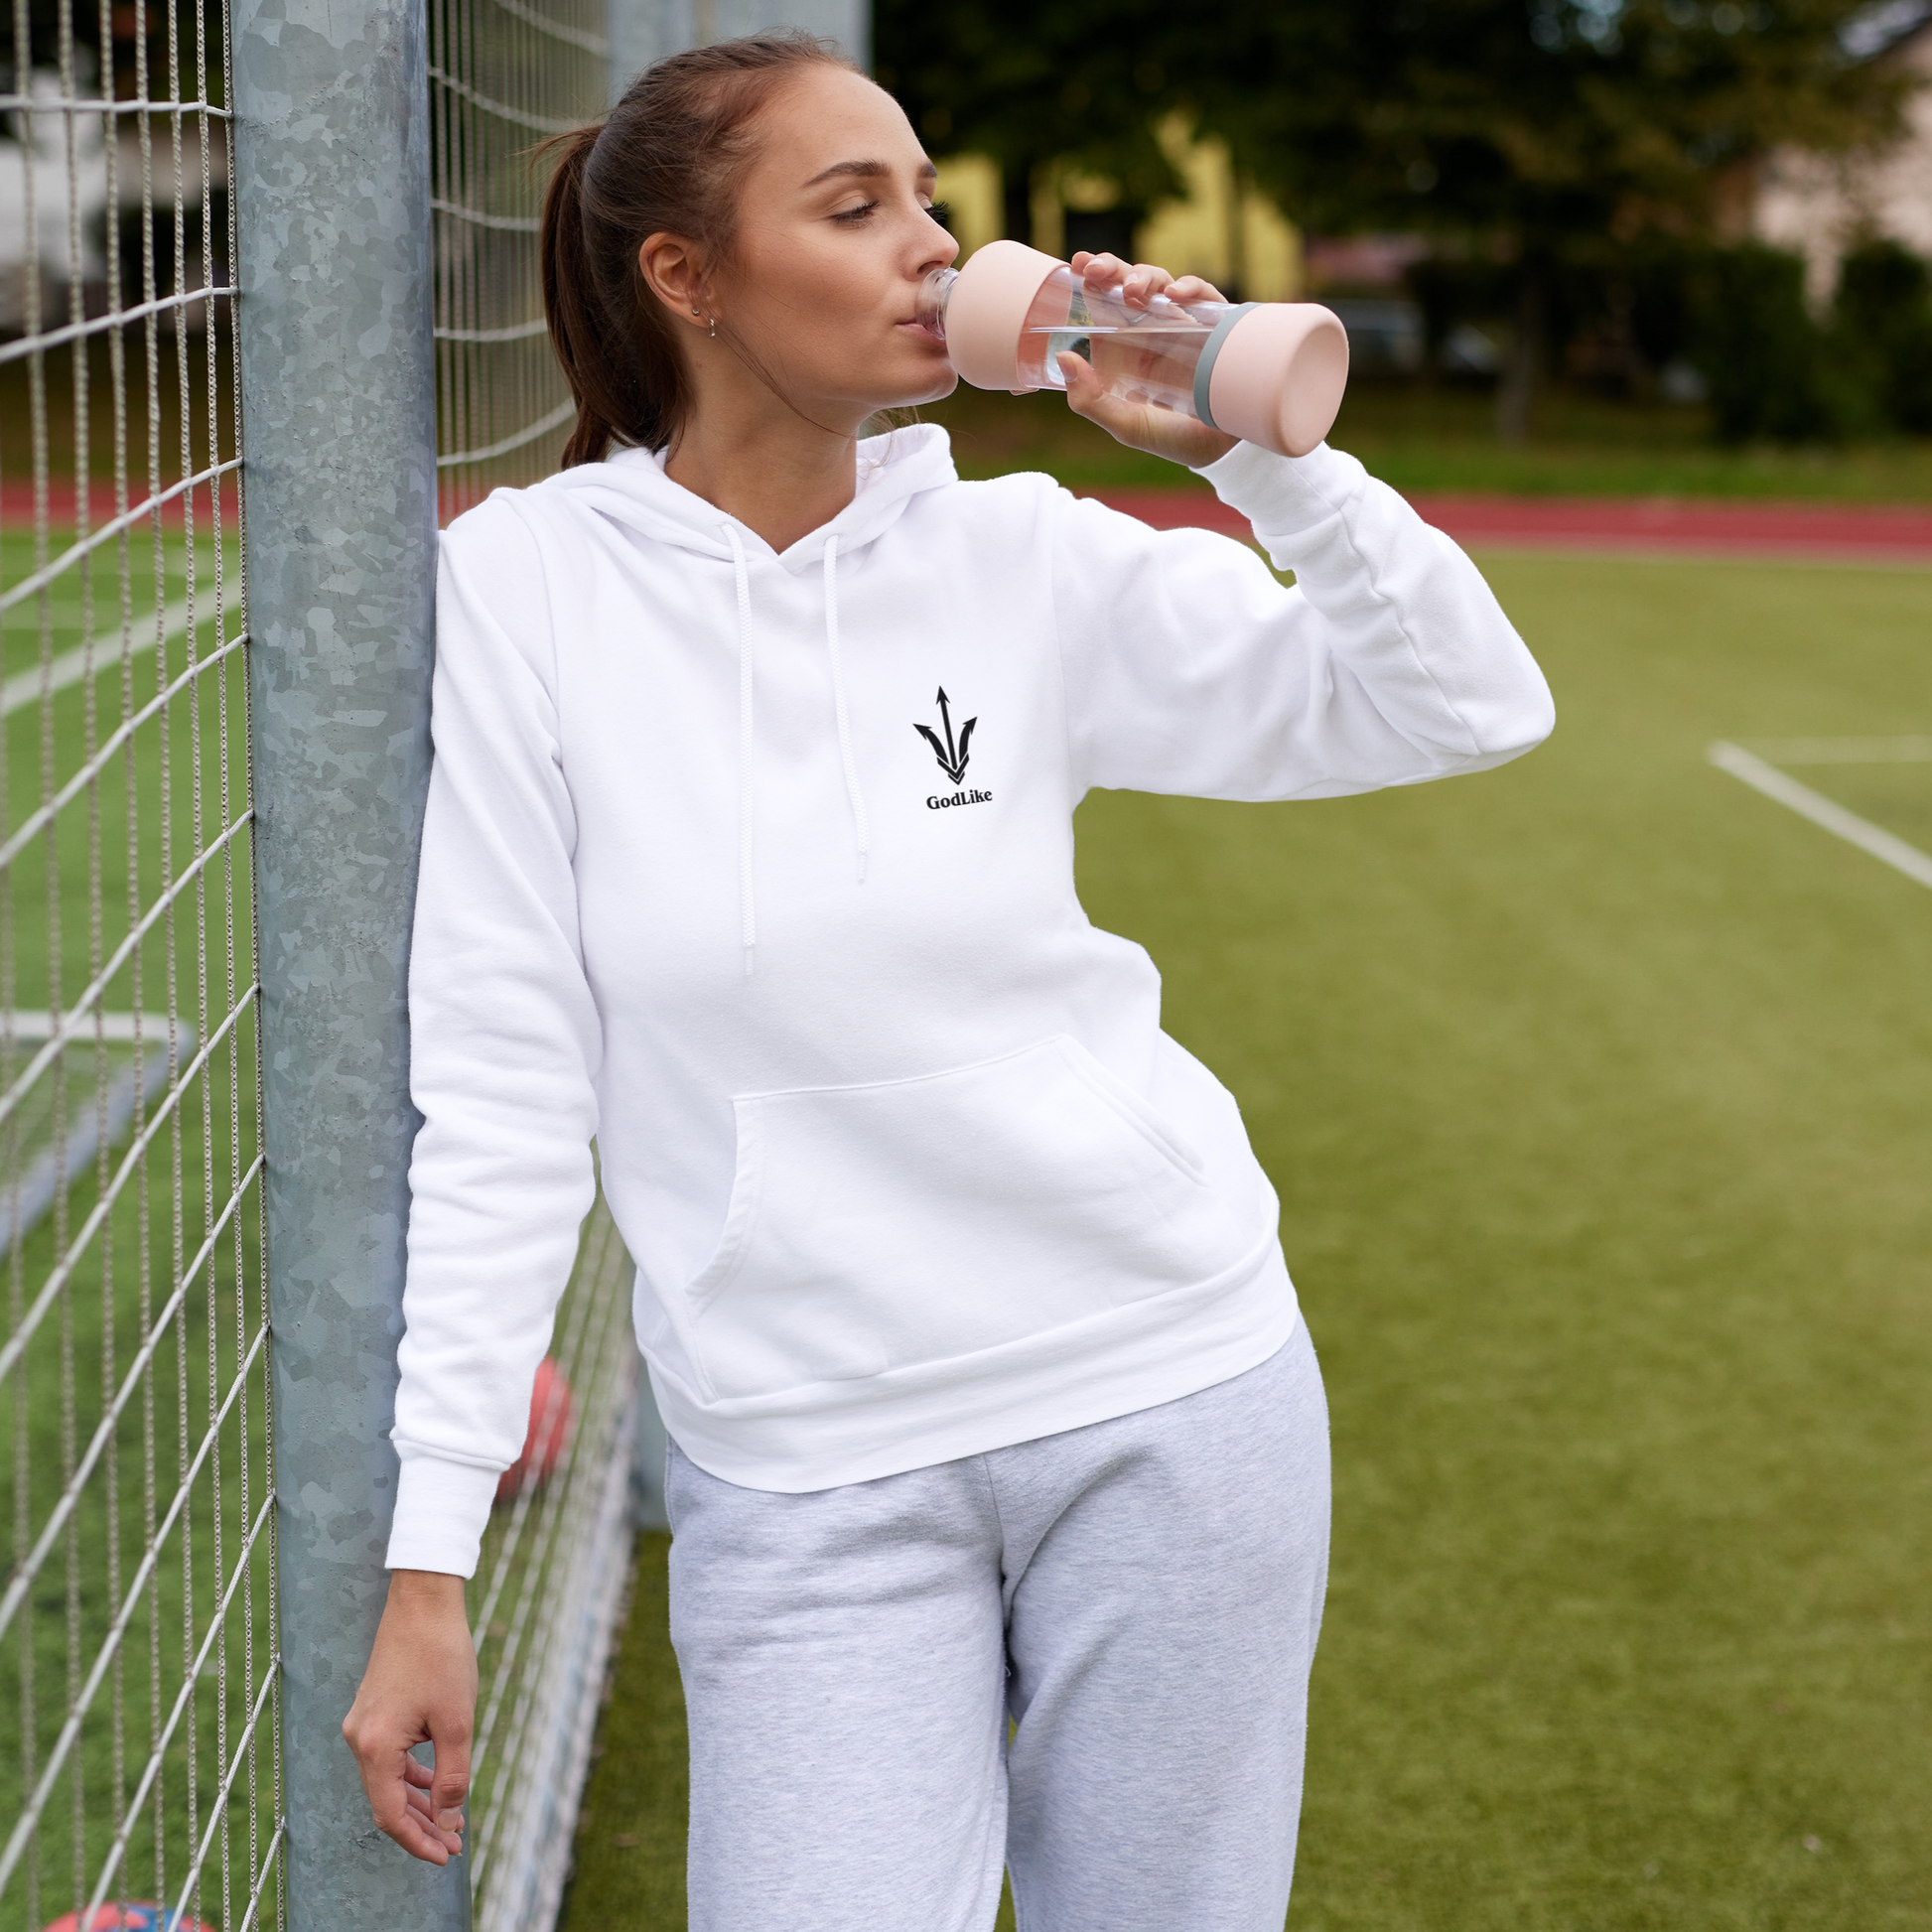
x=853 y=216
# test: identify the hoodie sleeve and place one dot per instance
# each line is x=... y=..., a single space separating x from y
x=1192 y=669
x=504 y=1044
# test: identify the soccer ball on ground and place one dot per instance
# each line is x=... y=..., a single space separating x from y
x=548 y=1435
x=128 y=1916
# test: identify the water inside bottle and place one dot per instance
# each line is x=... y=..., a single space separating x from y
x=1150 y=360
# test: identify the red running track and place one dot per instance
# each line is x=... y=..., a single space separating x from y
x=1655 y=525
x=1875 y=533
x=17 y=502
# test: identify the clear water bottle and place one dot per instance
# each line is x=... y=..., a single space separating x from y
x=1269 y=372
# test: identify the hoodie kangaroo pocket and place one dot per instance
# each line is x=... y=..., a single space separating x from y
x=879 y=1227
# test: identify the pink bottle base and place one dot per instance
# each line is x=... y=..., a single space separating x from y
x=1280 y=376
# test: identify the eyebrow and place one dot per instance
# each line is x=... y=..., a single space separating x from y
x=867 y=171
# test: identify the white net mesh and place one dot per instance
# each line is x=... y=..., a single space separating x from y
x=137 y=1735
x=503 y=75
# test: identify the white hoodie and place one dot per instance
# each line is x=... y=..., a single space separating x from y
x=759 y=868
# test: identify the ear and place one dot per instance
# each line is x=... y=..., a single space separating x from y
x=674 y=274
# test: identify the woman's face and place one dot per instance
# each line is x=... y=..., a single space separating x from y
x=835 y=233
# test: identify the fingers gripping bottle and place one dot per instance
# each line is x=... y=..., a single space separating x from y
x=1269 y=372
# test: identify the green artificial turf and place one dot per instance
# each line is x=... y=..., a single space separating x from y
x=630 y=1831
x=1596 y=1093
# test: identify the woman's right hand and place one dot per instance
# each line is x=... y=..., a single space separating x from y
x=420 y=1688
x=1160 y=432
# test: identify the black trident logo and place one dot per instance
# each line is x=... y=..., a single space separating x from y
x=952 y=761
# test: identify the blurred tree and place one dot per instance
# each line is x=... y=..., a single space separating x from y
x=1540 y=134
x=1032 y=81
x=1771 y=369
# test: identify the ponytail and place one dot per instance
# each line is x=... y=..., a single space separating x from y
x=668 y=160
x=604 y=362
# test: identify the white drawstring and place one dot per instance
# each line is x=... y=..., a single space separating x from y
x=861 y=827
x=747 y=744
x=748 y=920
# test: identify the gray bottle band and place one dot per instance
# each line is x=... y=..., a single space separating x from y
x=1204 y=369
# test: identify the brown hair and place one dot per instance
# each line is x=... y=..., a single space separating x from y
x=670 y=158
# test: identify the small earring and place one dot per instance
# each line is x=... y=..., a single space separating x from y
x=714 y=329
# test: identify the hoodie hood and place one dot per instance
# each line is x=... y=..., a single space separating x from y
x=633 y=490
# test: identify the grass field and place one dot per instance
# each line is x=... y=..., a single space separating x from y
x=1596 y=1093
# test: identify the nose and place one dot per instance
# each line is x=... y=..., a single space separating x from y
x=946 y=256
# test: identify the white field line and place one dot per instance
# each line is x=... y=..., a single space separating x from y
x=1845 y=750
x=119 y=1026
x=32 y=1193
x=104 y=653
x=1823 y=811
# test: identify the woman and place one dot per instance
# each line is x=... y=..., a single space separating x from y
x=750 y=853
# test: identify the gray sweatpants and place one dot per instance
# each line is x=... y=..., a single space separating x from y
x=1141 y=1598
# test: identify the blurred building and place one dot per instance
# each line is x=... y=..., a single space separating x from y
x=47 y=188
x=1217 y=227
x=1821 y=206
x=59 y=194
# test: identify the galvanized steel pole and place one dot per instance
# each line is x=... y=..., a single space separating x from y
x=643 y=30
x=332 y=187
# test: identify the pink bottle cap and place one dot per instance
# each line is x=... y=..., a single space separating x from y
x=1279 y=377
x=988 y=309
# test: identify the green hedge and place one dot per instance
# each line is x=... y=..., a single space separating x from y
x=1777 y=373
x=1774 y=371
x=1884 y=324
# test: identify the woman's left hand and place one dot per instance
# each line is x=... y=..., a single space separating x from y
x=1160 y=432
